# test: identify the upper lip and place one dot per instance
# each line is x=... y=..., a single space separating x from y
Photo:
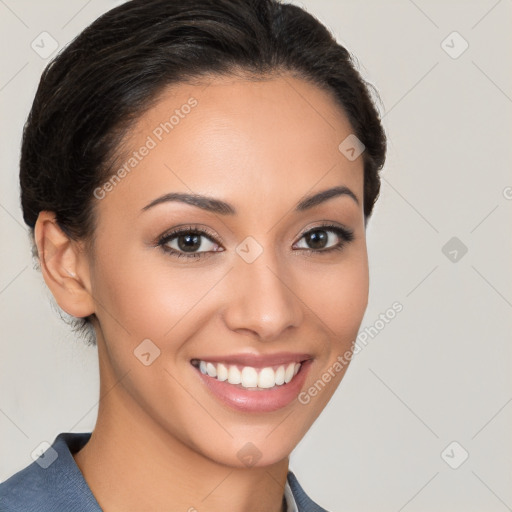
x=257 y=360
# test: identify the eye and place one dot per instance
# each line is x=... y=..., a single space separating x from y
x=188 y=242
x=194 y=242
x=325 y=238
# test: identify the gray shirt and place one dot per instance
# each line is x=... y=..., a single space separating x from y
x=54 y=483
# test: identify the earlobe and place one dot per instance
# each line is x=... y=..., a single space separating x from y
x=61 y=262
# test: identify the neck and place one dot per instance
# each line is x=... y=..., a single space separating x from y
x=131 y=463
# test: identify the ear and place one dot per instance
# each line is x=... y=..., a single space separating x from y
x=64 y=267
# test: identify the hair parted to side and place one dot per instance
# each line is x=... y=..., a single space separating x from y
x=110 y=74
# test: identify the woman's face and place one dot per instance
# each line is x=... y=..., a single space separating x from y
x=255 y=284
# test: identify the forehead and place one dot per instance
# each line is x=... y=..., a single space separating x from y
x=245 y=141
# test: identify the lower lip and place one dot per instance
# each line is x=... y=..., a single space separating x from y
x=257 y=400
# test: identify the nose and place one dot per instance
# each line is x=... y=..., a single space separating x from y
x=262 y=301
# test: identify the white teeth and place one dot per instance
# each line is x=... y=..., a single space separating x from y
x=280 y=375
x=249 y=377
x=234 y=375
x=222 y=372
x=288 y=374
x=266 y=378
x=212 y=371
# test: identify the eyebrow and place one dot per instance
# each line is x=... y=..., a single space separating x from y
x=217 y=206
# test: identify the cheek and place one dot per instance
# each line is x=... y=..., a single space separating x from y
x=149 y=297
x=339 y=296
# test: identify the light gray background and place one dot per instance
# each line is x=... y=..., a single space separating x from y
x=441 y=370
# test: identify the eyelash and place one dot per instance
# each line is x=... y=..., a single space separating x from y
x=345 y=235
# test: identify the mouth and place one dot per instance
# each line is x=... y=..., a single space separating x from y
x=254 y=383
x=249 y=377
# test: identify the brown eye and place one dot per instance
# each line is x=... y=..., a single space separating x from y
x=317 y=239
x=325 y=238
x=187 y=242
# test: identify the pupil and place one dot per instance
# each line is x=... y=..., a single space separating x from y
x=317 y=239
x=189 y=243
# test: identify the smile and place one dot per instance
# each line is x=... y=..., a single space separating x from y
x=254 y=383
x=249 y=377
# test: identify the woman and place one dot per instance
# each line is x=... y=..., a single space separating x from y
x=198 y=177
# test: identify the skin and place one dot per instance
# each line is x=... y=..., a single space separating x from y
x=162 y=441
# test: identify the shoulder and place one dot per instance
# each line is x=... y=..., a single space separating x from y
x=24 y=490
x=303 y=501
x=52 y=482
